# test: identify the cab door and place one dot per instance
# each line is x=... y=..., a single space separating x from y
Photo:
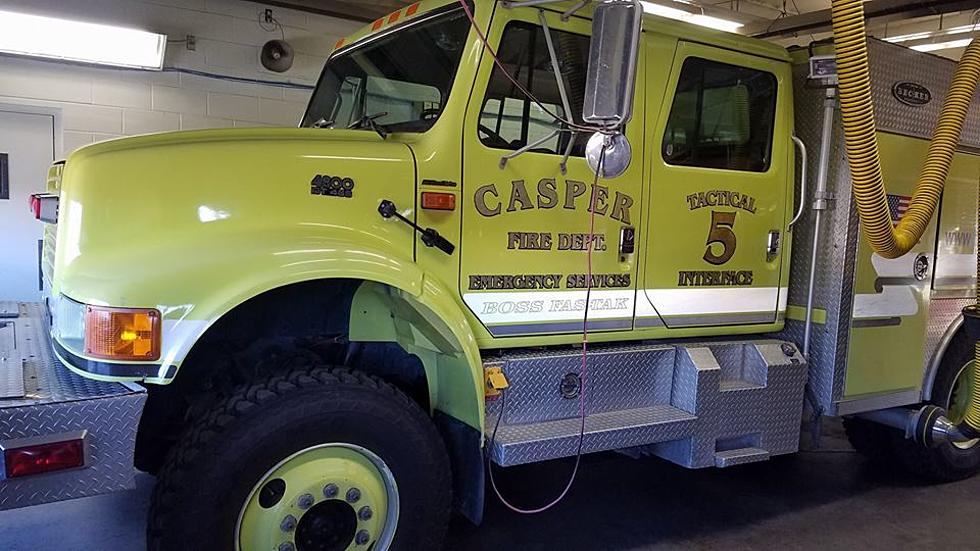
x=526 y=220
x=720 y=176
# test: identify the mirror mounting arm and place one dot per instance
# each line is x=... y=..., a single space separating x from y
x=510 y=4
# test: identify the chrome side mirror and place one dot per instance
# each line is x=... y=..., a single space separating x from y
x=616 y=30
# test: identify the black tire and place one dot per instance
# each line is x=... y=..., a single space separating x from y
x=876 y=442
x=946 y=463
x=209 y=474
x=888 y=447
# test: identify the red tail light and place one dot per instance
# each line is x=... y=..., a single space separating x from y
x=44 y=207
x=45 y=457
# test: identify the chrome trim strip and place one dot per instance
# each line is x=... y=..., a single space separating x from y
x=882 y=401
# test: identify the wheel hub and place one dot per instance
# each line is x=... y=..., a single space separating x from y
x=332 y=497
x=329 y=526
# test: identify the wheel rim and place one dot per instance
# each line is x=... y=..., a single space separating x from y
x=331 y=497
x=959 y=400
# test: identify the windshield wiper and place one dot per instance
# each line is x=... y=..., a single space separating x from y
x=369 y=121
x=323 y=123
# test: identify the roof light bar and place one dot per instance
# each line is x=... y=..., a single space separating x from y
x=716 y=23
x=62 y=39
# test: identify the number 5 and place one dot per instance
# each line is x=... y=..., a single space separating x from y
x=722 y=225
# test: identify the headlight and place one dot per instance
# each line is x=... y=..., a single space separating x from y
x=69 y=323
x=123 y=334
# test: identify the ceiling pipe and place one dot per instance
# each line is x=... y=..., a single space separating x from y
x=875 y=10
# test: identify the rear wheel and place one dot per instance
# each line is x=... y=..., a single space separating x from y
x=321 y=459
x=948 y=462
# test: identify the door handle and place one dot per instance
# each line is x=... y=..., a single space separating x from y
x=627 y=242
x=772 y=245
x=799 y=211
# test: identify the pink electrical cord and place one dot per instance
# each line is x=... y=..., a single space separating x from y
x=583 y=374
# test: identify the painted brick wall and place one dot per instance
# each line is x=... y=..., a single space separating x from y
x=100 y=103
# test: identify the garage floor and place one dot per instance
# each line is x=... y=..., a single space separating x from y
x=813 y=500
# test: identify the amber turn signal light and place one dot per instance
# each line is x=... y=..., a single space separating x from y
x=122 y=333
x=438 y=201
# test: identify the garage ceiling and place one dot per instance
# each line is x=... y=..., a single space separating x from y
x=358 y=10
x=784 y=21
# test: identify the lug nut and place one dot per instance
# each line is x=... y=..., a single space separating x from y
x=362 y=537
x=305 y=501
x=330 y=491
x=365 y=513
x=287 y=547
x=288 y=524
x=353 y=495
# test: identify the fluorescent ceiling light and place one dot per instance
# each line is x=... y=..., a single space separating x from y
x=695 y=18
x=37 y=36
x=931 y=34
x=943 y=45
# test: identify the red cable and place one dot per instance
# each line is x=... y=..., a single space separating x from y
x=583 y=376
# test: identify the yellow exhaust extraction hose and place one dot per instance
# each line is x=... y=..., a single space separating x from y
x=857 y=113
x=861 y=142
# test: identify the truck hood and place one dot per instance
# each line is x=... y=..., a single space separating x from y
x=135 y=212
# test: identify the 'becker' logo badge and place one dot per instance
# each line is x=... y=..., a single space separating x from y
x=911 y=93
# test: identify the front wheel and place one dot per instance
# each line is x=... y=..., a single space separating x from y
x=321 y=459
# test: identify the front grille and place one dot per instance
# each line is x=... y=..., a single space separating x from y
x=51 y=230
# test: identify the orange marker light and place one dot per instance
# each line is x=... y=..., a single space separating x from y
x=412 y=9
x=438 y=201
x=122 y=333
x=377 y=24
x=393 y=17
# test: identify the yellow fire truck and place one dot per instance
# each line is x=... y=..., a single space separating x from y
x=505 y=232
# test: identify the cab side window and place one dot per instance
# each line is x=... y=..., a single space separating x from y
x=722 y=117
x=509 y=120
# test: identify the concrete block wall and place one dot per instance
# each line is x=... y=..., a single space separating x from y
x=102 y=103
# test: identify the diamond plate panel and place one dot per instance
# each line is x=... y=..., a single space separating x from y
x=840 y=231
x=617 y=377
x=891 y=64
x=702 y=410
x=11 y=364
x=942 y=313
x=58 y=402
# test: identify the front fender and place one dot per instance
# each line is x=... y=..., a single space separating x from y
x=193 y=290
x=431 y=326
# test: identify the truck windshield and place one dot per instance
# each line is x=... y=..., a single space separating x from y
x=401 y=80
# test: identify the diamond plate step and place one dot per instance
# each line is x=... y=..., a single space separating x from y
x=690 y=403
x=517 y=444
x=741 y=456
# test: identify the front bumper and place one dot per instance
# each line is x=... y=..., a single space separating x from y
x=41 y=398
